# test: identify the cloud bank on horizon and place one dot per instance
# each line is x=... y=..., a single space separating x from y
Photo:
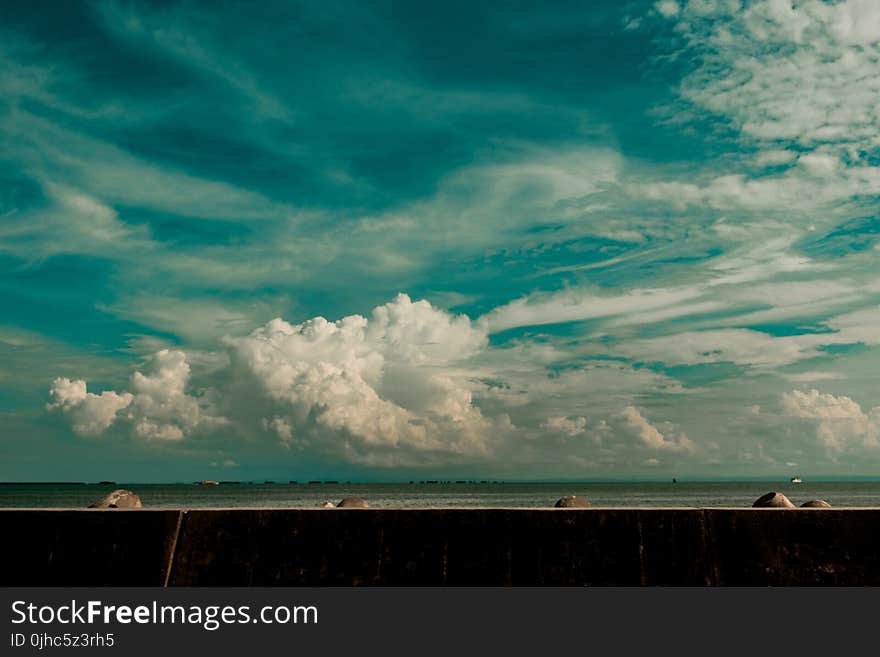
x=622 y=239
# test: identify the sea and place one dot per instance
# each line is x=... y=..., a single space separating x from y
x=443 y=494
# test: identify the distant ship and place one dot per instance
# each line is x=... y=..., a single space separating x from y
x=796 y=480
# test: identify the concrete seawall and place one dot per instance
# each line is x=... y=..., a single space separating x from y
x=434 y=547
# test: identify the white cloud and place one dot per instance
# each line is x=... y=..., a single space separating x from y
x=90 y=414
x=482 y=206
x=803 y=377
x=383 y=388
x=841 y=422
x=595 y=388
x=756 y=349
x=720 y=287
x=759 y=261
x=650 y=436
x=799 y=82
x=816 y=405
x=418 y=333
x=71 y=222
x=574 y=426
x=410 y=384
x=196 y=320
x=774 y=157
x=667 y=8
x=406 y=385
x=161 y=408
x=819 y=164
x=579 y=305
x=380 y=390
x=804 y=73
x=101 y=170
x=282 y=427
x=740 y=346
x=157 y=408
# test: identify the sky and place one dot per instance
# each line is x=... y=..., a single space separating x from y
x=384 y=240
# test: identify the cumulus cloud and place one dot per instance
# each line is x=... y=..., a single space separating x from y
x=90 y=414
x=622 y=438
x=650 y=436
x=410 y=384
x=281 y=426
x=162 y=409
x=570 y=426
x=378 y=390
x=841 y=422
x=156 y=408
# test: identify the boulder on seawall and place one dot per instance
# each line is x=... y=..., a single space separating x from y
x=773 y=500
x=571 y=502
x=816 y=504
x=118 y=499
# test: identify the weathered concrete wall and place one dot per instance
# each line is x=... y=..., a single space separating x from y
x=808 y=547
x=49 y=547
x=441 y=546
x=294 y=547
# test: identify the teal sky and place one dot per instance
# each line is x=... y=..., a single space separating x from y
x=387 y=240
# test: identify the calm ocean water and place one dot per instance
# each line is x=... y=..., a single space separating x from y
x=737 y=494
